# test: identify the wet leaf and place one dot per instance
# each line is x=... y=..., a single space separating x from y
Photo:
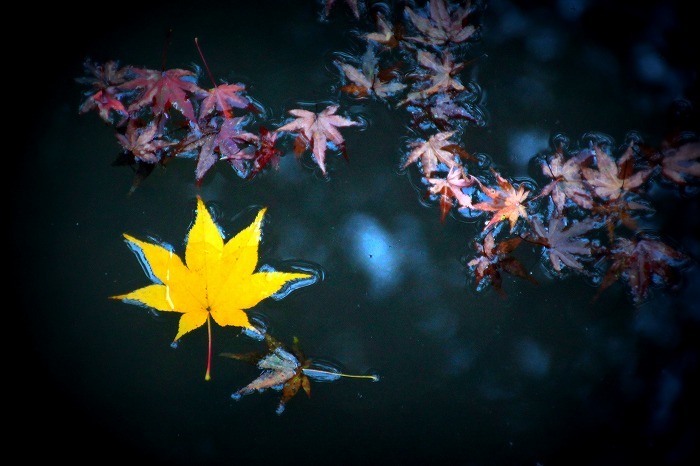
x=317 y=130
x=285 y=369
x=216 y=282
x=642 y=262
x=564 y=242
x=506 y=202
x=492 y=258
x=161 y=90
x=681 y=164
x=443 y=23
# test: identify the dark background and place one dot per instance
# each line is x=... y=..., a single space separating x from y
x=541 y=377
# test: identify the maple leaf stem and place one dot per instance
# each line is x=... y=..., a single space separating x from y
x=206 y=65
x=207 y=376
x=373 y=377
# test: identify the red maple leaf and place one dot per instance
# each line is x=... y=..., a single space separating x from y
x=104 y=96
x=492 y=258
x=267 y=153
x=642 y=262
x=505 y=201
x=317 y=130
x=161 y=90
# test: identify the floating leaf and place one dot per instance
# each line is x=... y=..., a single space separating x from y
x=217 y=282
x=286 y=369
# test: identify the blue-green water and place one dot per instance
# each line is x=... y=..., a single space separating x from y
x=540 y=377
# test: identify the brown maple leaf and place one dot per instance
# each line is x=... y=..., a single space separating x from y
x=623 y=210
x=679 y=164
x=642 y=262
x=492 y=258
x=283 y=369
x=286 y=369
x=363 y=85
x=368 y=79
x=317 y=130
x=506 y=202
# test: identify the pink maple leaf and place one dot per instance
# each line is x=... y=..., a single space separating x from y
x=611 y=180
x=442 y=26
x=437 y=149
x=567 y=182
x=317 y=130
x=225 y=142
x=449 y=189
x=439 y=77
x=224 y=98
x=564 y=242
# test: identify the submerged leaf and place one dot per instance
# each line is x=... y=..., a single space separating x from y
x=285 y=369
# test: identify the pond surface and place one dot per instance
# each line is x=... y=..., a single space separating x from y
x=542 y=375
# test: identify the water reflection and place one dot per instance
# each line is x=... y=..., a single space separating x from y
x=372 y=248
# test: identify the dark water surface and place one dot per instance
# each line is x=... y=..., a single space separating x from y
x=540 y=377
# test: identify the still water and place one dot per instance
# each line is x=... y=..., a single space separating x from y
x=539 y=376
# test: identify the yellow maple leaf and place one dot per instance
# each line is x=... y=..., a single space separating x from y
x=218 y=280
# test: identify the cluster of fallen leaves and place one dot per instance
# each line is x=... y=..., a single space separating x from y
x=589 y=217
x=585 y=218
x=219 y=281
x=162 y=114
